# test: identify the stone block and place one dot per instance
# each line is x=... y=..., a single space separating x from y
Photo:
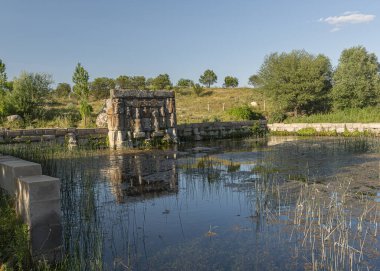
x=13 y=133
x=38 y=203
x=29 y=132
x=12 y=169
x=48 y=137
x=49 y=131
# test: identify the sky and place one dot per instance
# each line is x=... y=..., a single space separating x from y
x=182 y=38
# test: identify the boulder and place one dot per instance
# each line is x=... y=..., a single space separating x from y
x=254 y=104
x=13 y=118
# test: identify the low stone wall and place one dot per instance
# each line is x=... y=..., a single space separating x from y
x=72 y=136
x=329 y=127
x=38 y=203
x=216 y=130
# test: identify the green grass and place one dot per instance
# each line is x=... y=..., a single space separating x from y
x=353 y=115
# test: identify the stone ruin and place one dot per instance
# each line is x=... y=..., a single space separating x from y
x=138 y=115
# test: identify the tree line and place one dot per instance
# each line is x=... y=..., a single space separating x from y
x=303 y=83
x=297 y=82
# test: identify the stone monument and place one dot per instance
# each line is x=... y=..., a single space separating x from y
x=138 y=115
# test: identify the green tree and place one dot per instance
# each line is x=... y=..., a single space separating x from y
x=297 y=81
x=131 y=82
x=80 y=79
x=198 y=89
x=254 y=80
x=356 y=79
x=81 y=88
x=29 y=93
x=161 y=82
x=101 y=86
x=184 y=83
x=62 y=90
x=208 y=78
x=230 y=82
x=3 y=86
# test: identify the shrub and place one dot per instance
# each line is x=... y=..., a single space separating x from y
x=277 y=117
x=244 y=113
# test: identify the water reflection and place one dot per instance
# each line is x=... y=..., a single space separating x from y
x=146 y=175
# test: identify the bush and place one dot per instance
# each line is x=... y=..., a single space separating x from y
x=244 y=113
x=277 y=117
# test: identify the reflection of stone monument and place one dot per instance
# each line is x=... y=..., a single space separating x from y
x=142 y=175
x=135 y=115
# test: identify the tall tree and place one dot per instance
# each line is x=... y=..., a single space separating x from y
x=131 y=82
x=230 y=82
x=162 y=81
x=81 y=88
x=62 y=90
x=254 y=80
x=184 y=83
x=101 y=86
x=29 y=93
x=3 y=86
x=208 y=78
x=80 y=79
x=297 y=81
x=356 y=79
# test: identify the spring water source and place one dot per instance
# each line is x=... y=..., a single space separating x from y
x=222 y=205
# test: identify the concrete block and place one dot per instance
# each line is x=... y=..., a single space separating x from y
x=11 y=170
x=38 y=203
x=48 y=137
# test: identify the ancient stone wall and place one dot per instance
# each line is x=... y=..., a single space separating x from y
x=71 y=136
x=135 y=115
x=373 y=128
x=217 y=130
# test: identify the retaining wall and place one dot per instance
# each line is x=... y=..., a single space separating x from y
x=216 y=130
x=331 y=127
x=60 y=135
x=38 y=202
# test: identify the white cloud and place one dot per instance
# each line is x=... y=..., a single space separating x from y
x=349 y=17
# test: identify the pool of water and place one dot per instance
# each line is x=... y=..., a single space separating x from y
x=217 y=205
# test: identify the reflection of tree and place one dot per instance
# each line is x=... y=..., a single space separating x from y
x=142 y=175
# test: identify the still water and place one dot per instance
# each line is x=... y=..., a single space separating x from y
x=217 y=205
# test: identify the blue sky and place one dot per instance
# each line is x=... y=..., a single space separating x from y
x=178 y=37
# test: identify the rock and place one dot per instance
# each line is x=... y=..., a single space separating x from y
x=254 y=104
x=13 y=118
x=101 y=120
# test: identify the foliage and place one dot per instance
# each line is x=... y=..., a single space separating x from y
x=198 y=89
x=297 y=81
x=259 y=130
x=277 y=116
x=131 y=82
x=62 y=90
x=3 y=80
x=101 y=86
x=208 y=78
x=161 y=82
x=356 y=79
x=231 y=82
x=255 y=81
x=349 y=115
x=85 y=110
x=80 y=79
x=29 y=92
x=14 y=250
x=244 y=113
x=185 y=83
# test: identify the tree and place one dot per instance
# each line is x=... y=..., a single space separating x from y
x=208 y=78
x=62 y=90
x=184 y=83
x=81 y=88
x=131 y=82
x=29 y=93
x=161 y=82
x=230 y=82
x=3 y=87
x=80 y=79
x=198 y=89
x=356 y=79
x=101 y=86
x=297 y=81
x=254 y=80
